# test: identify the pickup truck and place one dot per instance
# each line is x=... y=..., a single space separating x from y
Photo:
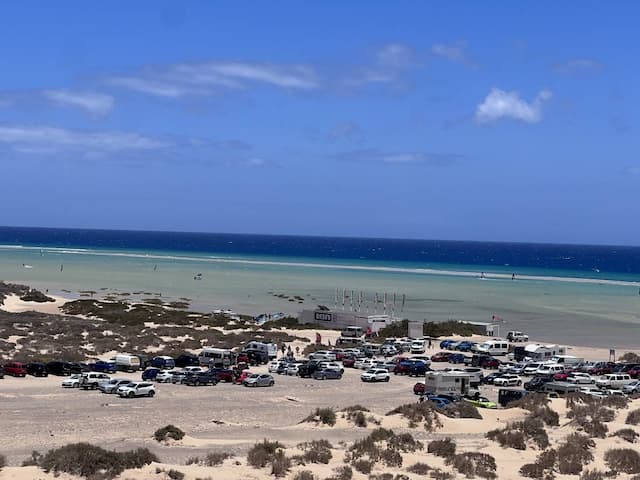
x=91 y=380
x=515 y=336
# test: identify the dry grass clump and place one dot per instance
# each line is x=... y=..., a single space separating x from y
x=442 y=448
x=575 y=453
x=472 y=464
x=538 y=405
x=628 y=434
x=590 y=413
x=438 y=474
x=363 y=466
x=344 y=472
x=315 y=451
x=417 y=413
x=91 y=462
x=304 y=475
x=543 y=468
x=172 y=474
x=324 y=416
x=388 y=476
x=461 y=409
x=592 y=475
x=212 y=459
x=280 y=464
x=623 y=460
x=517 y=434
x=263 y=453
x=169 y=432
x=616 y=402
x=419 y=468
x=633 y=417
x=383 y=446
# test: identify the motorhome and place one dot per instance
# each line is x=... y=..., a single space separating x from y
x=349 y=341
x=451 y=383
x=352 y=331
x=126 y=362
x=492 y=347
x=268 y=350
x=216 y=357
x=538 y=353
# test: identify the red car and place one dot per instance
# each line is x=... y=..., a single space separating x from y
x=243 y=376
x=419 y=388
x=348 y=361
x=561 y=376
x=15 y=369
x=441 y=357
x=634 y=372
x=223 y=374
x=489 y=362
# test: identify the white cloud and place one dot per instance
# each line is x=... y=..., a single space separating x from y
x=44 y=139
x=92 y=102
x=395 y=55
x=576 y=65
x=502 y=104
x=455 y=52
x=372 y=155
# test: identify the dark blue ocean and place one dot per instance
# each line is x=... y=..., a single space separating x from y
x=595 y=261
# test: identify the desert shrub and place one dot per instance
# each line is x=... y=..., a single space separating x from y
x=473 y=464
x=530 y=402
x=592 y=475
x=630 y=357
x=542 y=468
x=404 y=442
x=633 y=417
x=615 y=401
x=87 y=460
x=574 y=453
x=438 y=474
x=343 y=472
x=388 y=476
x=169 y=432
x=359 y=419
x=355 y=408
x=418 y=413
x=263 y=453
x=304 y=475
x=325 y=416
x=590 y=414
x=461 y=410
x=280 y=464
x=516 y=434
x=442 y=448
x=508 y=438
x=3 y=461
x=450 y=327
x=627 y=434
x=216 y=458
x=419 y=468
x=382 y=445
x=363 y=466
x=175 y=474
x=316 y=451
x=625 y=460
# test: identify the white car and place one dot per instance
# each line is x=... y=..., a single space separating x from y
x=593 y=391
x=549 y=369
x=580 y=378
x=273 y=366
x=72 y=382
x=633 y=387
x=365 y=363
x=192 y=369
x=165 y=376
x=531 y=368
x=294 y=368
x=323 y=355
x=331 y=366
x=137 y=389
x=507 y=380
x=375 y=375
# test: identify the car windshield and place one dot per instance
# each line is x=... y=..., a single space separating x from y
x=371 y=371
x=254 y=375
x=132 y=385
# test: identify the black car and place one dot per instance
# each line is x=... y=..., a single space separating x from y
x=37 y=369
x=201 y=378
x=63 y=368
x=187 y=360
x=418 y=369
x=536 y=384
x=488 y=379
x=307 y=369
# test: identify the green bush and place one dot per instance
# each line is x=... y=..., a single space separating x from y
x=86 y=460
x=633 y=418
x=325 y=416
x=628 y=434
x=419 y=468
x=625 y=460
x=574 y=453
x=473 y=464
x=417 y=413
x=304 y=475
x=169 y=432
x=263 y=453
x=316 y=451
x=363 y=466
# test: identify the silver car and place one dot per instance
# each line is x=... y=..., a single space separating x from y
x=112 y=385
x=259 y=380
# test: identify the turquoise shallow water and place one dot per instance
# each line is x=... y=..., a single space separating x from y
x=550 y=304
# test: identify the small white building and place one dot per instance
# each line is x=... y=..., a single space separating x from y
x=340 y=319
x=539 y=352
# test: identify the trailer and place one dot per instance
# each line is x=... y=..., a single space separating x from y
x=561 y=387
x=450 y=383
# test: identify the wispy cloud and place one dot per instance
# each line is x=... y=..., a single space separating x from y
x=455 y=52
x=373 y=155
x=501 y=104
x=92 y=102
x=576 y=65
x=634 y=170
x=349 y=131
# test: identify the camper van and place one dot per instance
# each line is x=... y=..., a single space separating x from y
x=567 y=360
x=449 y=383
x=352 y=331
x=269 y=351
x=493 y=347
x=216 y=357
x=349 y=342
x=126 y=362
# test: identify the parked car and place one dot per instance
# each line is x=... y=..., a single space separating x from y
x=73 y=381
x=15 y=369
x=273 y=366
x=348 y=360
x=103 y=367
x=536 y=384
x=465 y=346
x=201 y=378
x=223 y=374
x=37 y=369
x=163 y=362
x=507 y=380
x=294 y=368
x=488 y=379
x=531 y=368
x=594 y=392
x=178 y=376
x=418 y=369
x=439 y=401
x=243 y=376
x=91 y=380
x=613 y=380
x=419 y=388
x=323 y=355
x=331 y=366
x=486 y=361
x=187 y=360
x=482 y=402
x=150 y=373
x=112 y=385
x=580 y=377
x=365 y=363
x=549 y=369
x=58 y=367
x=441 y=357
x=375 y=375
x=259 y=380
x=165 y=376
x=445 y=343
x=137 y=389
x=633 y=387
x=327 y=374
x=456 y=358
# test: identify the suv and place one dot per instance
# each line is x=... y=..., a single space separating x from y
x=63 y=368
x=375 y=375
x=536 y=384
x=104 y=367
x=187 y=360
x=201 y=378
x=112 y=385
x=37 y=369
x=137 y=389
x=15 y=369
x=91 y=380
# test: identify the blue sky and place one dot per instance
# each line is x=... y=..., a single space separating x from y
x=512 y=121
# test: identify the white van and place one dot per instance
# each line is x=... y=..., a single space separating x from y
x=216 y=357
x=493 y=347
x=549 y=369
x=567 y=360
x=352 y=331
x=418 y=346
x=614 y=380
x=126 y=362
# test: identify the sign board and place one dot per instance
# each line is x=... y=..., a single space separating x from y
x=322 y=316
